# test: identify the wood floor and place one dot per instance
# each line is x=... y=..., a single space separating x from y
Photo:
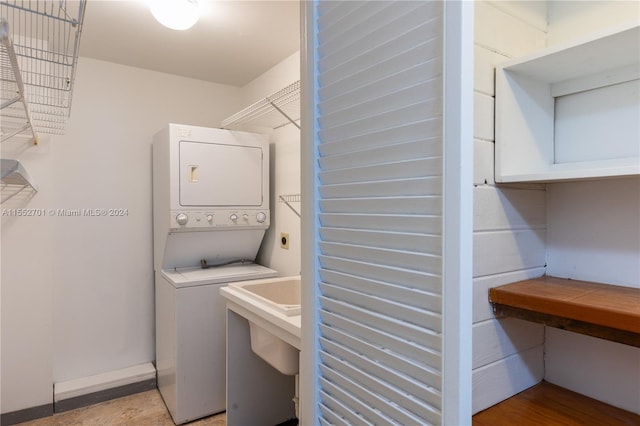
x=142 y=409
x=550 y=405
x=544 y=404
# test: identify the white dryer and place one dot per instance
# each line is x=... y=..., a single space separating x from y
x=210 y=213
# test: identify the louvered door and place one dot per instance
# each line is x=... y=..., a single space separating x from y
x=387 y=271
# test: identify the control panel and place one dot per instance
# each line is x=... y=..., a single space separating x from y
x=210 y=219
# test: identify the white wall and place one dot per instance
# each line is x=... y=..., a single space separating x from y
x=272 y=80
x=509 y=222
x=570 y=20
x=78 y=295
x=593 y=234
x=594 y=231
x=27 y=287
x=285 y=171
x=285 y=180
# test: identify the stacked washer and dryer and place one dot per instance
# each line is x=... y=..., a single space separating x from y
x=210 y=214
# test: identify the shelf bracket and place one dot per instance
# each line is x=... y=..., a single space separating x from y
x=17 y=132
x=291 y=120
x=288 y=199
x=10 y=102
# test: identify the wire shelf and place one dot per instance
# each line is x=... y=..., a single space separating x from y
x=16 y=119
x=46 y=36
x=14 y=179
x=269 y=111
x=289 y=198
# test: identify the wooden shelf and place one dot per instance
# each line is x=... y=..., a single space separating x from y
x=606 y=311
x=547 y=404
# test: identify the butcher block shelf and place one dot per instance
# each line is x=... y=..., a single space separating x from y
x=605 y=311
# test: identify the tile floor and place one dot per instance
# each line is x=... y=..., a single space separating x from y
x=142 y=409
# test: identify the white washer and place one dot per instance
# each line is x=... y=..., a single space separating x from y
x=210 y=205
x=190 y=355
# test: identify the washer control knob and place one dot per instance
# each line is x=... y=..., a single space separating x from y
x=245 y=217
x=233 y=217
x=209 y=218
x=182 y=218
x=261 y=217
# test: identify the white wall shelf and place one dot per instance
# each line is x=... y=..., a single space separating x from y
x=274 y=111
x=14 y=179
x=16 y=117
x=570 y=112
x=45 y=36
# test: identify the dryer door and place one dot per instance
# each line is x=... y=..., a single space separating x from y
x=218 y=175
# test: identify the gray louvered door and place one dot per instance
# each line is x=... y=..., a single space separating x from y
x=390 y=271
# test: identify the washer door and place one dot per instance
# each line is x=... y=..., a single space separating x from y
x=218 y=175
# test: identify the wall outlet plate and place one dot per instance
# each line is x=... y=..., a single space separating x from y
x=284 y=240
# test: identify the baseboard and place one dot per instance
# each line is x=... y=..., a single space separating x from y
x=86 y=391
x=32 y=413
x=103 y=395
x=103 y=387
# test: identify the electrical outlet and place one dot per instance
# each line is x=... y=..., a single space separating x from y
x=284 y=240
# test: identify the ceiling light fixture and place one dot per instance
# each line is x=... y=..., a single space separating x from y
x=175 y=14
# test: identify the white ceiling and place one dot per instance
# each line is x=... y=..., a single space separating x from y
x=232 y=43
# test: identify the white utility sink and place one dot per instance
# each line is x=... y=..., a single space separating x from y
x=278 y=353
x=281 y=295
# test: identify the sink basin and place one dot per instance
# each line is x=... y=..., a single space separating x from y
x=279 y=354
x=281 y=294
